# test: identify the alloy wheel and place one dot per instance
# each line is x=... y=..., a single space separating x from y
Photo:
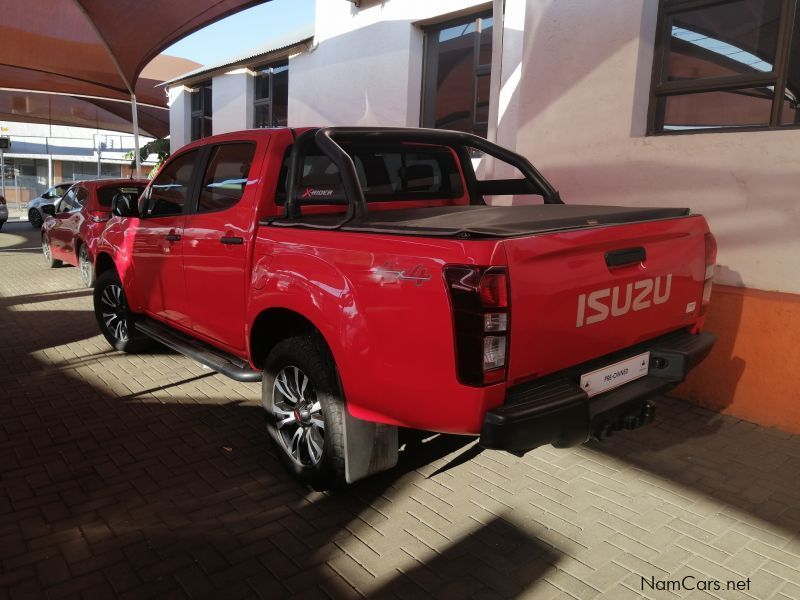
x=48 y=254
x=85 y=265
x=298 y=416
x=115 y=312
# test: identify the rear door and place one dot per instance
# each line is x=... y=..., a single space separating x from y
x=578 y=295
x=158 y=245
x=217 y=241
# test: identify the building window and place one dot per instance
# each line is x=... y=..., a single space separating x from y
x=458 y=68
x=201 y=110
x=729 y=65
x=271 y=95
x=77 y=171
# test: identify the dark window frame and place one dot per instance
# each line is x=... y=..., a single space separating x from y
x=430 y=67
x=269 y=100
x=660 y=88
x=203 y=113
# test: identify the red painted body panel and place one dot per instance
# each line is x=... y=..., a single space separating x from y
x=67 y=231
x=392 y=338
x=548 y=273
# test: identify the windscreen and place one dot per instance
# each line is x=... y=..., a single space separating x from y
x=390 y=173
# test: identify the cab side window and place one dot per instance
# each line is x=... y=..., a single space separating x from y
x=226 y=176
x=167 y=195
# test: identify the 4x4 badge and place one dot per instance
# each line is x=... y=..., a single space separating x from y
x=386 y=274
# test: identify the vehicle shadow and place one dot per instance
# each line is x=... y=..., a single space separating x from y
x=18 y=236
x=160 y=494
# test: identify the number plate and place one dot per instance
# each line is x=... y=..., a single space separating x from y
x=612 y=376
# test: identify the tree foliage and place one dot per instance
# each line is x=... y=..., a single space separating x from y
x=159 y=147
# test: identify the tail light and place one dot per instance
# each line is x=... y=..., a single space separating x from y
x=711 y=261
x=2 y=200
x=99 y=216
x=480 y=303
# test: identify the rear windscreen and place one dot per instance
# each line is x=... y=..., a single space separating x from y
x=106 y=195
x=385 y=174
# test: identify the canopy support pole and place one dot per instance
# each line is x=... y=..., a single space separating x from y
x=136 y=137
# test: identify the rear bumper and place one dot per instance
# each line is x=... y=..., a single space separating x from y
x=554 y=410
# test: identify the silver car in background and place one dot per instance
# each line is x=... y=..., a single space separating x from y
x=45 y=204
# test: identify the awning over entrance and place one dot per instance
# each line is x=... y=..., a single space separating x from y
x=97 y=47
x=56 y=109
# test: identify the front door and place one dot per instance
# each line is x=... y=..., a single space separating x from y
x=158 y=245
x=216 y=243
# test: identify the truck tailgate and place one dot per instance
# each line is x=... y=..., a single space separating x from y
x=571 y=301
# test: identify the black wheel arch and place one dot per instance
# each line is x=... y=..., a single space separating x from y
x=103 y=263
x=274 y=325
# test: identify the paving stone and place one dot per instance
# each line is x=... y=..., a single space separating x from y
x=150 y=476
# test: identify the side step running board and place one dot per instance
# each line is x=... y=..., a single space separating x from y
x=205 y=354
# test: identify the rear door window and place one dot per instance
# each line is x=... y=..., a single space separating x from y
x=68 y=202
x=81 y=196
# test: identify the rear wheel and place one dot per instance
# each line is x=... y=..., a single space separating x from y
x=35 y=218
x=115 y=319
x=305 y=410
x=47 y=252
x=85 y=266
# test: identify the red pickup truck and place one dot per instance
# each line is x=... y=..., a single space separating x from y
x=375 y=278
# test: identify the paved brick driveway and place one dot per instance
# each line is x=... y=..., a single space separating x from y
x=149 y=476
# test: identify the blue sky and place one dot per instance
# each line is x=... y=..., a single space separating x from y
x=240 y=32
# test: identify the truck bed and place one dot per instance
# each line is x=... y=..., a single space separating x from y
x=487 y=221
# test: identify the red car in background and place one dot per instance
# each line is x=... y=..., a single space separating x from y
x=70 y=235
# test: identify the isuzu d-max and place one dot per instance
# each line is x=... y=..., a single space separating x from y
x=376 y=278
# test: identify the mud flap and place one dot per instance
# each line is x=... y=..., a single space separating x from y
x=369 y=447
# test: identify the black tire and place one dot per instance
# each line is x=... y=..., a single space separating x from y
x=1 y=225
x=117 y=323
x=47 y=252
x=309 y=355
x=35 y=218
x=85 y=266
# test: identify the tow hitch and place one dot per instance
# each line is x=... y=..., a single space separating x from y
x=633 y=420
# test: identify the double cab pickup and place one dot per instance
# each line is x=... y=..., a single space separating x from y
x=377 y=278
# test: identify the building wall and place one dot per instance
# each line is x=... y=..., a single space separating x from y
x=580 y=115
x=585 y=91
x=232 y=102
x=37 y=152
x=180 y=117
x=367 y=65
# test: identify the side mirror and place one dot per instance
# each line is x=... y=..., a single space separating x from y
x=122 y=205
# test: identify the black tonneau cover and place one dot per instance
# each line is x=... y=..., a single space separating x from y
x=487 y=221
